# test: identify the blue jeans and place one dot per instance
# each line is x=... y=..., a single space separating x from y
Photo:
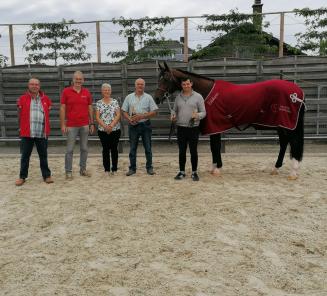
x=144 y=130
x=72 y=133
x=26 y=147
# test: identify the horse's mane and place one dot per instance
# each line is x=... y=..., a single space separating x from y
x=195 y=75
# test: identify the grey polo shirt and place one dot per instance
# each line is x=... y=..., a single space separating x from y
x=184 y=107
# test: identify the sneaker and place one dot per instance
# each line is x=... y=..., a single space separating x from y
x=150 y=171
x=19 y=182
x=85 y=173
x=112 y=173
x=180 y=176
x=130 y=172
x=48 y=180
x=195 y=176
x=69 y=176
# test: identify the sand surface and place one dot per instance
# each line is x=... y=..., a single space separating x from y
x=245 y=233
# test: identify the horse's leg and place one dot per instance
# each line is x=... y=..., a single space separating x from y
x=283 y=141
x=215 y=147
x=297 y=143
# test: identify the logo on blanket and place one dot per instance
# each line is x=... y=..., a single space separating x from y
x=212 y=99
x=274 y=108
x=295 y=98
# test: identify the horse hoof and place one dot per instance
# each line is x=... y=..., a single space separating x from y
x=274 y=172
x=292 y=177
x=215 y=172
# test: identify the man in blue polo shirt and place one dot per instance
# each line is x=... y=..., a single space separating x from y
x=138 y=108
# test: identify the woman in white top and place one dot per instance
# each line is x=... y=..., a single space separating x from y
x=107 y=115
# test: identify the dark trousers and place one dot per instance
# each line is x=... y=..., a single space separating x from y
x=215 y=147
x=143 y=130
x=109 y=146
x=26 y=147
x=188 y=136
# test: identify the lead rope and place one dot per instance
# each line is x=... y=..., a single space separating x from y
x=172 y=125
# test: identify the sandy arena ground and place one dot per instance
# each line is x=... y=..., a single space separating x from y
x=245 y=233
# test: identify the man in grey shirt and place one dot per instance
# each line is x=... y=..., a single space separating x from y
x=138 y=108
x=188 y=111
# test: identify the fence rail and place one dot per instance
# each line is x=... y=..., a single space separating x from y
x=309 y=72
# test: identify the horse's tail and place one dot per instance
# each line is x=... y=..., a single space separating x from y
x=297 y=137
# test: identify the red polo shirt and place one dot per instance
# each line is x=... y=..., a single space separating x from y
x=77 y=106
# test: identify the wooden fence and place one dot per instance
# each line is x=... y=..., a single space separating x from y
x=309 y=72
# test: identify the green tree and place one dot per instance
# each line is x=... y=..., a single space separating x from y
x=3 y=61
x=238 y=35
x=143 y=32
x=314 y=39
x=55 y=42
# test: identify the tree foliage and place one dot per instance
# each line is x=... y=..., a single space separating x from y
x=237 y=36
x=3 y=61
x=143 y=32
x=314 y=39
x=55 y=42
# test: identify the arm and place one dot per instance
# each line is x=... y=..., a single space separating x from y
x=117 y=117
x=147 y=115
x=99 y=120
x=128 y=118
x=114 y=121
x=91 y=120
x=174 y=112
x=62 y=115
x=202 y=110
x=18 y=117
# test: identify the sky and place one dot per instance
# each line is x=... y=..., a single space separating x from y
x=22 y=11
x=27 y=12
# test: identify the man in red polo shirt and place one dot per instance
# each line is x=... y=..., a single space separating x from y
x=76 y=118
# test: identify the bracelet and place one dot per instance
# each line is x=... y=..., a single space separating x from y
x=91 y=124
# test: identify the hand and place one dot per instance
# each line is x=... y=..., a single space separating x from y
x=173 y=117
x=195 y=115
x=137 y=117
x=91 y=129
x=108 y=128
x=64 y=129
x=131 y=121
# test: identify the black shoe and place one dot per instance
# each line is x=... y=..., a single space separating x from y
x=150 y=171
x=130 y=172
x=195 y=176
x=180 y=176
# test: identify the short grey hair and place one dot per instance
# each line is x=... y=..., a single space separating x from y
x=33 y=78
x=78 y=73
x=105 y=85
x=140 y=79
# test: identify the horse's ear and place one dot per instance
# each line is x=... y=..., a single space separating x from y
x=166 y=66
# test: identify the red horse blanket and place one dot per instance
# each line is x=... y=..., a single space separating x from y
x=271 y=103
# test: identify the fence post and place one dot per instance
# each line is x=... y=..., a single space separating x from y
x=281 y=35
x=124 y=84
x=12 y=48
x=61 y=83
x=2 y=112
x=259 y=70
x=98 y=41
x=185 y=39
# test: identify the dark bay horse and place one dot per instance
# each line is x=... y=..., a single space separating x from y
x=272 y=104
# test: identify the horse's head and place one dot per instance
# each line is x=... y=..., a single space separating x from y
x=167 y=84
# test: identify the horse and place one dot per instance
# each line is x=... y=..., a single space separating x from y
x=276 y=105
